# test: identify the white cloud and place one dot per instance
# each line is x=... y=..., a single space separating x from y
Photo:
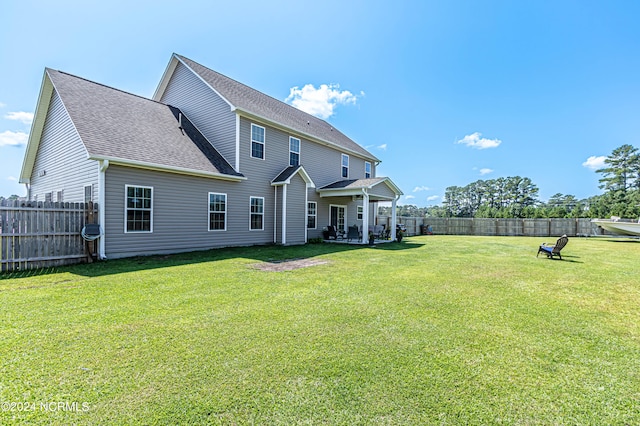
x=2 y=105
x=12 y=178
x=9 y=138
x=322 y=101
x=382 y=147
x=25 y=117
x=409 y=197
x=475 y=140
x=485 y=171
x=595 y=163
x=432 y=197
x=421 y=188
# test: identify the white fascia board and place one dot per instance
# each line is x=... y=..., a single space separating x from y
x=391 y=185
x=166 y=77
x=42 y=108
x=293 y=132
x=169 y=169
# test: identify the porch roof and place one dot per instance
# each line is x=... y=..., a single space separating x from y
x=373 y=187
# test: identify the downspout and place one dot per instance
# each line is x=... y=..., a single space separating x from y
x=284 y=214
x=275 y=215
x=103 y=165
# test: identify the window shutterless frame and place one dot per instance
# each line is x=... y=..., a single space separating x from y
x=258 y=136
x=367 y=170
x=312 y=215
x=294 y=151
x=138 y=209
x=256 y=213
x=217 y=211
x=345 y=166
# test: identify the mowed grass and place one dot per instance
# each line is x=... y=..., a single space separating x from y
x=435 y=330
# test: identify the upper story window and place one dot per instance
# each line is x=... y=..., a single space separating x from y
x=217 y=212
x=139 y=209
x=367 y=170
x=294 y=151
x=257 y=141
x=256 y=221
x=345 y=166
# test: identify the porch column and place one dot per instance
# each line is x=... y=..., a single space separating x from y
x=365 y=218
x=393 y=219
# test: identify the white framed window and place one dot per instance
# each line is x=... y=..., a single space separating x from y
x=257 y=141
x=48 y=196
x=60 y=196
x=345 y=166
x=88 y=193
x=367 y=170
x=217 y=212
x=359 y=212
x=294 y=151
x=312 y=215
x=138 y=209
x=256 y=209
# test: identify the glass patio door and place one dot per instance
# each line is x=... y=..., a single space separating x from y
x=337 y=216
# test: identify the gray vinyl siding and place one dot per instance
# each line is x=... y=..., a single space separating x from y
x=296 y=211
x=61 y=161
x=382 y=189
x=180 y=214
x=206 y=110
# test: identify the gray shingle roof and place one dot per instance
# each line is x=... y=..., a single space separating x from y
x=257 y=103
x=286 y=174
x=354 y=183
x=118 y=125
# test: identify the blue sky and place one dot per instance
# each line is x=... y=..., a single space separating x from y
x=444 y=92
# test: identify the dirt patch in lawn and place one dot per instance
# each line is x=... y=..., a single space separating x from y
x=288 y=265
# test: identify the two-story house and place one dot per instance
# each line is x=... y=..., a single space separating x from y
x=208 y=162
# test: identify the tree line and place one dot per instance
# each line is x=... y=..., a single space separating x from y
x=517 y=197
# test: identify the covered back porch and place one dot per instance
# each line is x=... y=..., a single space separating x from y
x=365 y=194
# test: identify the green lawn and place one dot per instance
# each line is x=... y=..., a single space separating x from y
x=435 y=330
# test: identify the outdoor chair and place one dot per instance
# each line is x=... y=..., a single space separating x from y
x=353 y=234
x=332 y=232
x=553 y=250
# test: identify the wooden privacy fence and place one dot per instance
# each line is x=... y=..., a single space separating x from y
x=553 y=227
x=43 y=234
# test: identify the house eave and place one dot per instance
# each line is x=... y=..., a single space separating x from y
x=165 y=168
x=37 y=127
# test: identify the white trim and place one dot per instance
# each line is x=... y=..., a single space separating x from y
x=275 y=214
x=359 y=213
x=342 y=157
x=170 y=169
x=314 y=215
x=237 y=143
x=284 y=214
x=264 y=142
x=365 y=217
x=294 y=152
x=126 y=196
x=345 y=214
x=102 y=215
x=226 y=203
x=250 y=213
x=370 y=170
x=306 y=203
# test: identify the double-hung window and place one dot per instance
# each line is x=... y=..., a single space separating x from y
x=367 y=170
x=345 y=166
x=294 y=151
x=256 y=207
x=217 y=212
x=139 y=209
x=312 y=214
x=257 y=141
